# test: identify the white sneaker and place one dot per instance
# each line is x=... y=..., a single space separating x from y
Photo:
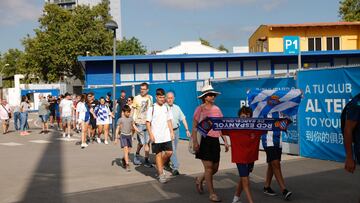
x=98 y=140
x=64 y=135
x=106 y=142
x=68 y=136
x=83 y=145
x=236 y=199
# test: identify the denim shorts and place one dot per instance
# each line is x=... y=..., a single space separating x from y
x=44 y=118
x=66 y=119
x=125 y=141
x=143 y=135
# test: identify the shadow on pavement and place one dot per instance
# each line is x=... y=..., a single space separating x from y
x=326 y=186
x=46 y=183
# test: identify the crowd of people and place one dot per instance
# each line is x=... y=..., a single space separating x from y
x=156 y=124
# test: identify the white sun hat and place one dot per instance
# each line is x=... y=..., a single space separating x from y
x=207 y=89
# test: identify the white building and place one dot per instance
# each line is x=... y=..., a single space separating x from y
x=115 y=9
x=241 y=49
x=191 y=47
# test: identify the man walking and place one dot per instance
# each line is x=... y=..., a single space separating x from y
x=66 y=112
x=350 y=127
x=178 y=116
x=159 y=126
x=141 y=105
x=44 y=113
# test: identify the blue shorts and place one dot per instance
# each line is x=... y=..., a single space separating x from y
x=245 y=169
x=143 y=135
x=125 y=141
x=44 y=118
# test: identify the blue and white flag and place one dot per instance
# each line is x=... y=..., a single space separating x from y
x=264 y=102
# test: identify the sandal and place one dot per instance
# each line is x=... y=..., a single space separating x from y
x=199 y=186
x=214 y=198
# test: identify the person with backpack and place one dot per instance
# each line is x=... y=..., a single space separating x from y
x=159 y=125
x=350 y=127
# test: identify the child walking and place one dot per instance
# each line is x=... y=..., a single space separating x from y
x=125 y=127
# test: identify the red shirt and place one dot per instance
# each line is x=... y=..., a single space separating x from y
x=244 y=145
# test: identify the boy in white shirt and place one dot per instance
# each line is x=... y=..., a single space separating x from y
x=159 y=126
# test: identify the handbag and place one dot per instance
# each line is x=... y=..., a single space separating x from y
x=198 y=137
x=9 y=114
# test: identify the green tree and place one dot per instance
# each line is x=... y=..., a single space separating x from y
x=11 y=58
x=63 y=35
x=131 y=46
x=205 y=42
x=223 y=48
x=349 y=10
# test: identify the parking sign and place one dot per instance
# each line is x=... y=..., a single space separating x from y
x=291 y=44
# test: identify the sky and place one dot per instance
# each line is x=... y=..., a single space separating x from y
x=161 y=24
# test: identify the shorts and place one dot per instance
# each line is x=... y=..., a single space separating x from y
x=125 y=141
x=66 y=119
x=52 y=113
x=44 y=118
x=273 y=153
x=93 y=123
x=58 y=118
x=143 y=136
x=245 y=169
x=209 y=149
x=161 y=147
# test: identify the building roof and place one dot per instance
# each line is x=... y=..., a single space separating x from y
x=189 y=57
x=321 y=24
x=191 y=47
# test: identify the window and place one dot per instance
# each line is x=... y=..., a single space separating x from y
x=314 y=44
x=332 y=43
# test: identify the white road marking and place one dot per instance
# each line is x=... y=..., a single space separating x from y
x=11 y=144
x=40 y=141
x=161 y=191
x=67 y=139
x=256 y=179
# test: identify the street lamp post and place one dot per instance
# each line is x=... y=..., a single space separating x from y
x=112 y=25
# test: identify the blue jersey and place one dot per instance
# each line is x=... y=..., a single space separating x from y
x=273 y=138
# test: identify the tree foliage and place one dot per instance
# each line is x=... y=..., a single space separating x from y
x=349 y=10
x=130 y=46
x=205 y=42
x=63 y=35
x=223 y=48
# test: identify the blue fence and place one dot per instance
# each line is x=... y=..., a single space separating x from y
x=317 y=127
x=326 y=93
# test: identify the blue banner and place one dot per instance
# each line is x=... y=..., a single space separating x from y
x=326 y=93
x=234 y=96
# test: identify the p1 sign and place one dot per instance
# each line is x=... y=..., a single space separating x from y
x=291 y=45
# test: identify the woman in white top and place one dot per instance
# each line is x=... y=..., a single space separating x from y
x=5 y=115
x=83 y=118
x=103 y=119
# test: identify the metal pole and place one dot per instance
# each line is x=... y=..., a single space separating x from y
x=114 y=86
x=299 y=60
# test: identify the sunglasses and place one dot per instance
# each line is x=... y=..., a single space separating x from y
x=211 y=95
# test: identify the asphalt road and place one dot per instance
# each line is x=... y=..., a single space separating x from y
x=49 y=168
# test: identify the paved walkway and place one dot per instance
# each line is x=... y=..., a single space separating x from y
x=48 y=168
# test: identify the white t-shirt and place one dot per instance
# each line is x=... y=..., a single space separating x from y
x=81 y=109
x=159 y=122
x=66 y=106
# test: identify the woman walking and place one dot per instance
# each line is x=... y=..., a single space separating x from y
x=83 y=118
x=103 y=120
x=208 y=150
x=24 y=108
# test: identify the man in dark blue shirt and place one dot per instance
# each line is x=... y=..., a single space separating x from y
x=350 y=118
